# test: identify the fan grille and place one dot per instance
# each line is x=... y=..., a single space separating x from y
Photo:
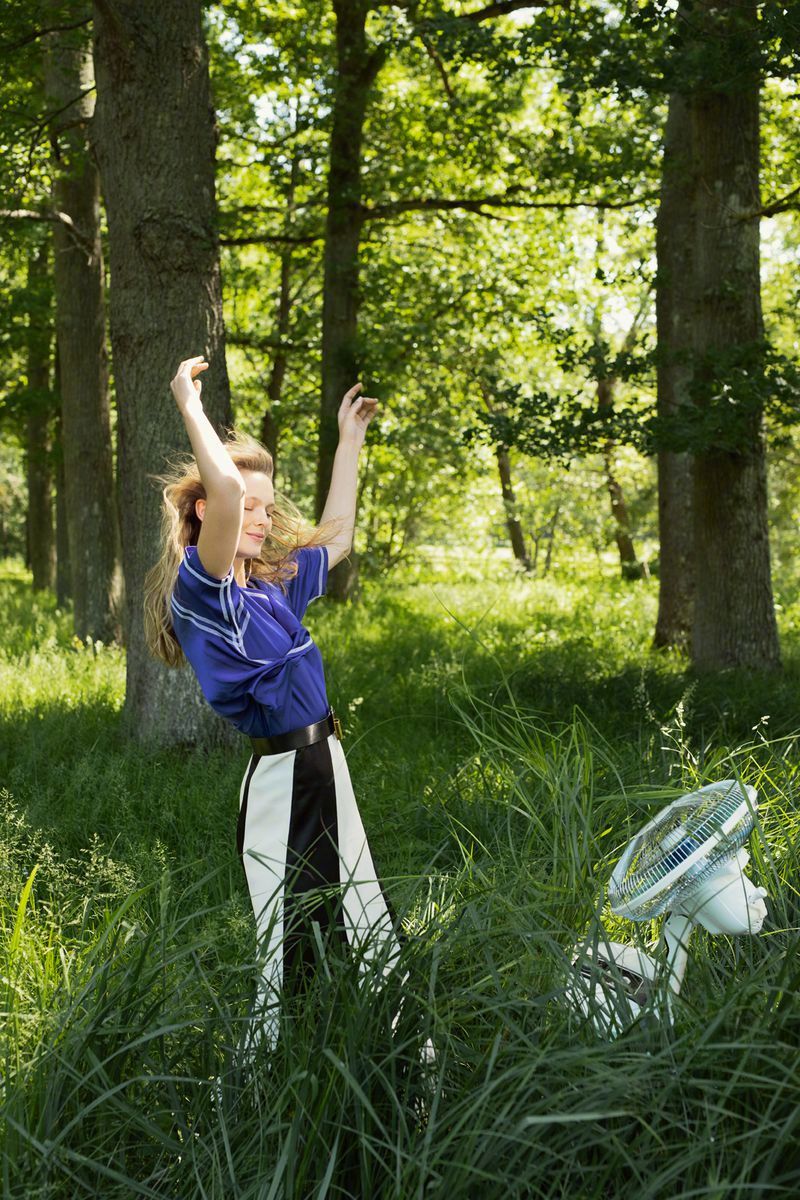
x=679 y=849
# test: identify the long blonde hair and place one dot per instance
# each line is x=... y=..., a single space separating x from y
x=180 y=527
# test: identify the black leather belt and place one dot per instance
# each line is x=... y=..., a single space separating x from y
x=294 y=739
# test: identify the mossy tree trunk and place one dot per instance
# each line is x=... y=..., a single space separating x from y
x=80 y=325
x=357 y=67
x=734 y=614
x=629 y=564
x=674 y=331
x=63 y=573
x=38 y=456
x=154 y=133
x=270 y=428
x=516 y=533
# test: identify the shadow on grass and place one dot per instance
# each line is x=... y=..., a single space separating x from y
x=726 y=705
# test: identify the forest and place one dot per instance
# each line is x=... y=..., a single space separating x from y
x=559 y=243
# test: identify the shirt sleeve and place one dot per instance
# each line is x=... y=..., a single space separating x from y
x=310 y=581
x=214 y=606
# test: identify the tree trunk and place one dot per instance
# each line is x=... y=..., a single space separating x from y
x=674 y=329
x=503 y=459
x=630 y=566
x=510 y=505
x=357 y=68
x=63 y=573
x=551 y=534
x=41 y=539
x=734 y=616
x=80 y=325
x=270 y=433
x=155 y=138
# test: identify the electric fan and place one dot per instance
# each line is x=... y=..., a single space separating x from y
x=689 y=861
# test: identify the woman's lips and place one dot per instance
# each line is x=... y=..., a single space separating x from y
x=258 y=537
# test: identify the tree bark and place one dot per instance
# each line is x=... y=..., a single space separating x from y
x=551 y=533
x=154 y=133
x=357 y=67
x=734 y=615
x=270 y=432
x=630 y=566
x=503 y=459
x=38 y=461
x=80 y=325
x=63 y=573
x=674 y=332
x=515 y=533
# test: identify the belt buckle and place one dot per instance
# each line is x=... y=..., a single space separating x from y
x=337 y=725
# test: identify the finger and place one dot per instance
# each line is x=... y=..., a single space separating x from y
x=200 y=367
x=353 y=391
x=187 y=362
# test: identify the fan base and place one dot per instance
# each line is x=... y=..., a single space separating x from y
x=611 y=984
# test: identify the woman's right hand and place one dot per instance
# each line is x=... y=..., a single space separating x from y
x=185 y=386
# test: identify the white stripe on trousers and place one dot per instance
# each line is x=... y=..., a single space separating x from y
x=267 y=789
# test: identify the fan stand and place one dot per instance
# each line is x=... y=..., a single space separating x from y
x=675 y=936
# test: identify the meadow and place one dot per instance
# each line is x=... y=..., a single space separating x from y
x=504 y=741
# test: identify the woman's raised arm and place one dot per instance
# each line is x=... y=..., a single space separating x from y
x=224 y=486
x=355 y=414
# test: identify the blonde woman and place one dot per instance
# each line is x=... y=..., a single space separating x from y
x=237 y=572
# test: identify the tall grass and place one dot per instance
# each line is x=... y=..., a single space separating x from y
x=504 y=743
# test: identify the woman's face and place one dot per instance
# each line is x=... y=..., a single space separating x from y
x=259 y=501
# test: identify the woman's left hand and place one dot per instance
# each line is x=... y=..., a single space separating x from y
x=355 y=414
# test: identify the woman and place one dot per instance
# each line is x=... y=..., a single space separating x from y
x=229 y=594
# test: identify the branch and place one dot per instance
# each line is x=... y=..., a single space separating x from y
x=36 y=127
x=478 y=204
x=272 y=239
x=25 y=214
x=782 y=204
x=252 y=341
x=54 y=215
x=383 y=212
x=249 y=210
x=440 y=67
x=500 y=9
x=303 y=284
x=374 y=62
x=7 y=47
x=266 y=143
x=641 y=313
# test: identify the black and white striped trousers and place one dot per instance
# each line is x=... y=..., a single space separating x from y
x=309 y=870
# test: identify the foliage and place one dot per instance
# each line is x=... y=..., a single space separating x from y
x=731 y=390
x=523 y=125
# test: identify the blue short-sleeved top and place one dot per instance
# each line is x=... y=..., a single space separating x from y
x=257 y=665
